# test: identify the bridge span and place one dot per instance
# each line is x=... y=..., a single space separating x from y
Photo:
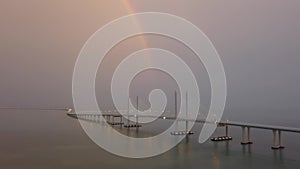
x=111 y=118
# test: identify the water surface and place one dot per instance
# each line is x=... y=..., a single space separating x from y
x=50 y=139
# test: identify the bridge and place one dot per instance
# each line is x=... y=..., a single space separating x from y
x=117 y=119
x=114 y=118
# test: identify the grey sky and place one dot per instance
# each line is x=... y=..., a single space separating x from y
x=258 y=42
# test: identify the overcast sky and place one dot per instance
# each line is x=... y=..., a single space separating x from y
x=258 y=42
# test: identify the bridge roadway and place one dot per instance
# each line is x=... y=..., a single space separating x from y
x=246 y=135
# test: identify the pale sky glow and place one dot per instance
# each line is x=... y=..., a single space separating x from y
x=258 y=42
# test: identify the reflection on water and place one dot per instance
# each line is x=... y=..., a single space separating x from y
x=247 y=149
x=47 y=139
x=216 y=158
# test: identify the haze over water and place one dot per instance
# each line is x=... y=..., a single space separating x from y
x=50 y=139
x=258 y=43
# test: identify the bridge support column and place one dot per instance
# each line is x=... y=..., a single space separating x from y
x=226 y=131
x=136 y=121
x=128 y=112
x=223 y=138
x=249 y=136
x=280 y=139
x=137 y=110
x=243 y=136
x=176 y=111
x=186 y=126
x=186 y=112
x=244 y=139
x=275 y=144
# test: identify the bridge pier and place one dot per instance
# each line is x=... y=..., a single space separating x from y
x=280 y=139
x=244 y=139
x=275 y=144
x=186 y=113
x=246 y=127
x=249 y=136
x=137 y=111
x=226 y=131
x=223 y=138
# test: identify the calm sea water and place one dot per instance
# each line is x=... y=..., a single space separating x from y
x=48 y=139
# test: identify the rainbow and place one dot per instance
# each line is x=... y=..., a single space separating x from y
x=131 y=10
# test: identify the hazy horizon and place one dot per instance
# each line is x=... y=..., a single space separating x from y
x=257 y=41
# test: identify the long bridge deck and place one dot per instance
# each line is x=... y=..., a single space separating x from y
x=220 y=123
x=246 y=136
